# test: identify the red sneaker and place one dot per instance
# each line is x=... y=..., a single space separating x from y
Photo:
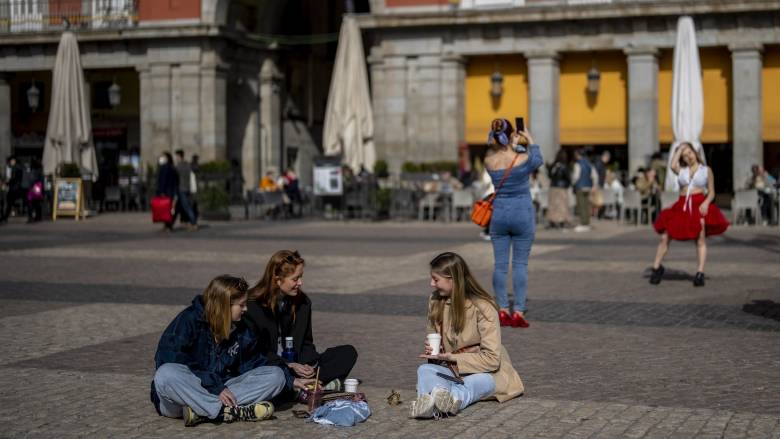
x=504 y=318
x=519 y=321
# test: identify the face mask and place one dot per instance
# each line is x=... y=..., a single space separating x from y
x=162 y=160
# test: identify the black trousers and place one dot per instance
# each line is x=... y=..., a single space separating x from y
x=336 y=362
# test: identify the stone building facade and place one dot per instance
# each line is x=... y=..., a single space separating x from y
x=426 y=58
x=206 y=76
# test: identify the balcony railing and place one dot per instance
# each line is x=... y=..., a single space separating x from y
x=46 y=15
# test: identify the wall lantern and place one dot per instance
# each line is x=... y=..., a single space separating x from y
x=496 y=84
x=594 y=78
x=33 y=97
x=114 y=94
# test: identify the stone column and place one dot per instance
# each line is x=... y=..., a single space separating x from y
x=271 y=116
x=186 y=109
x=213 y=112
x=5 y=119
x=642 y=106
x=423 y=94
x=390 y=110
x=452 y=108
x=147 y=122
x=251 y=143
x=159 y=109
x=747 y=123
x=544 y=114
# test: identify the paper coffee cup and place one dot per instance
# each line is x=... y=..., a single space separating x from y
x=434 y=341
x=350 y=385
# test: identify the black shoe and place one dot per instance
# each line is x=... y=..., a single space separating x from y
x=656 y=275
x=258 y=411
x=191 y=418
x=698 y=280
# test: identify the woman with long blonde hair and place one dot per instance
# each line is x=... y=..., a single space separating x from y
x=208 y=368
x=278 y=308
x=513 y=224
x=466 y=317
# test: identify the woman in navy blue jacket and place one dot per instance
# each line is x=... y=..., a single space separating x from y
x=208 y=366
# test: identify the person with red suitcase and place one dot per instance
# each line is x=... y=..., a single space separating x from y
x=167 y=188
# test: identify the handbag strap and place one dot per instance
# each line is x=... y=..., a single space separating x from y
x=503 y=178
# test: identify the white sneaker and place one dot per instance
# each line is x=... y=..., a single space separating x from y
x=444 y=401
x=484 y=236
x=422 y=407
x=582 y=228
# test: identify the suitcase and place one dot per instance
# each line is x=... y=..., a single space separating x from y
x=161 y=209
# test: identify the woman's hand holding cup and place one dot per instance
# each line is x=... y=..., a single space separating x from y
x=432 y=344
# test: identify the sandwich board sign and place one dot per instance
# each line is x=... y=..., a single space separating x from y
x=68 y=198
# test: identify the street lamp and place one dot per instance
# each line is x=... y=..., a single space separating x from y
x=496 y=84
x=594 y=78
x=33 y=97
x=114 y=94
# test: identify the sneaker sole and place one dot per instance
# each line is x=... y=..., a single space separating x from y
x=416 y=413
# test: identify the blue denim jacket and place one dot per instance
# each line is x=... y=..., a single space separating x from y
x=188 y=340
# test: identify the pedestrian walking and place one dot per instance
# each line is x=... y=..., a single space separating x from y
x=167 y=183
x=184 y=194
x=278 y=309
x=465 y=318
x=585 y=179
x=558 y=214
x=692 y=217
x=513 y=224
x=208 y=368
x=14 y=192
x=34 y=195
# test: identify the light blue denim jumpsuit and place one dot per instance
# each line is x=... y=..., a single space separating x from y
x=513 y=224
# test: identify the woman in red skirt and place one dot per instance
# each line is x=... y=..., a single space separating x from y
x=692 y=217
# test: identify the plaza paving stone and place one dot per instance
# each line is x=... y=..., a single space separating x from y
x=82 y=306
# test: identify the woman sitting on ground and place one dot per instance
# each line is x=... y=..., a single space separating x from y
x=278 y=308
x=466 y=316
x=207 y=366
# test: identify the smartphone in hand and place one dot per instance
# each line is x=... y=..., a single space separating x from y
x=519 y=124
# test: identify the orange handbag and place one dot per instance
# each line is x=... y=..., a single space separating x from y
x=482 y=210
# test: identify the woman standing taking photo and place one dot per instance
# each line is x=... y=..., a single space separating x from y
x=278 y=308
x=466 y=317
x=208 y=368
x=692 y=217
x=513 y=224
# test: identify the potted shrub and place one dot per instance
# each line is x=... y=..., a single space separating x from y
x=213 y=197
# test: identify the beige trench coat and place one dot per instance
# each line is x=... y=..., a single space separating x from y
x=481 y=328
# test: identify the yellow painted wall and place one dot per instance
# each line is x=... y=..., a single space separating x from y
x=771 y=94
x=716 y=85
x=584 y=120
x=480 y=108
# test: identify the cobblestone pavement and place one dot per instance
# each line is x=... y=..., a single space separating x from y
x=82 y=306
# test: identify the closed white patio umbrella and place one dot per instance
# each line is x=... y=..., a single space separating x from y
x=687 y=96
x=349 y=124
x=69 y=131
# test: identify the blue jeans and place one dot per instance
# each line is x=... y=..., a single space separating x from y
x=177 y=387
x=476 y=386
x=513 y=226
x=184 y=205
